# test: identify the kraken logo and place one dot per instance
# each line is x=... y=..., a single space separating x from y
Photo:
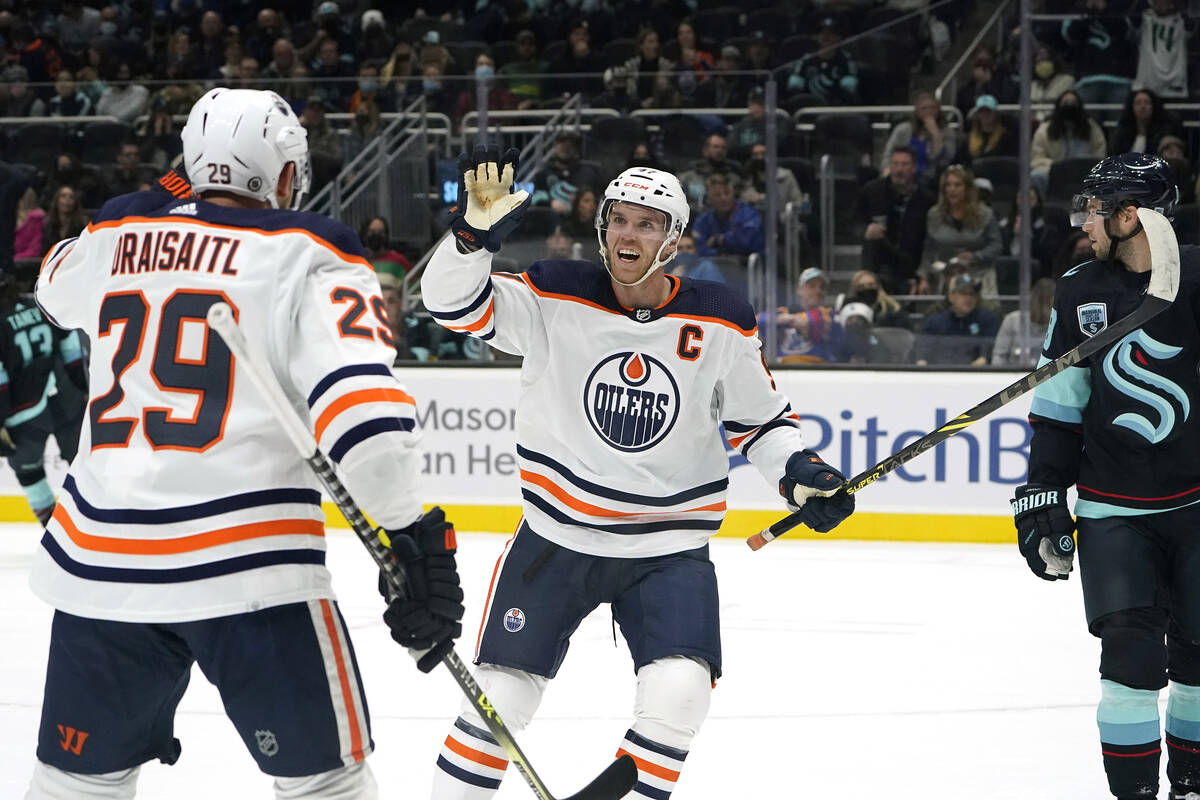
x=1133 y=364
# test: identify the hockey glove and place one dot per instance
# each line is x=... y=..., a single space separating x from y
x=811 y=486
x=429 y=617
x=1044 y=528
x=488 y=209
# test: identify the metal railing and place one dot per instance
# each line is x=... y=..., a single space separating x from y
x=531 y=162
x=388 y=178
x=948 y=88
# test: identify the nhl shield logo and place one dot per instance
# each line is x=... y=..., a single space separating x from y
x=631 y=400
x=267 y=744
x=514 y=620
x=642 y=314
x=1093 y=318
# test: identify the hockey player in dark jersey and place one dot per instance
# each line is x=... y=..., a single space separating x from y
x=35 y=358
x=1122 y=427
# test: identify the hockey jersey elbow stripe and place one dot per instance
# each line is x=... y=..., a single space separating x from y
x=477 y=325
x=185 y=544
x=55 y=257
x=352 y=399
x=160 y=516
x=482 y=298
x=1056 y=411
x=366 y=430
x=615 y=494
x=597 y=511
x=341 y=374
x=634 y=528
x=211 y=569
x=786 y=422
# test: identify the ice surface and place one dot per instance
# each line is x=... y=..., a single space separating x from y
x=852 y=670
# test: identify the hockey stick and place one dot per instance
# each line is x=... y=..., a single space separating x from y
x=1164 y=284
x=615 y=781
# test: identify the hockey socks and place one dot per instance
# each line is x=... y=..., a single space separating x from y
x=1183 y=738
x=1129 y=739
x=658 y=766
x=40 y=497
x=470 y=765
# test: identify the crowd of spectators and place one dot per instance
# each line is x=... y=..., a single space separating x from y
x=936 y=211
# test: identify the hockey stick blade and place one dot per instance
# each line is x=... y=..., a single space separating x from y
x=1160 y=293
x=615 y=781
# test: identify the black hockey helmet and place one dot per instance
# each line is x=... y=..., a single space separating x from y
x=1137 y=179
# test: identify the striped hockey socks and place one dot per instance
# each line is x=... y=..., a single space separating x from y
x=658 y=766
x=470 y=765
x=1129 y=739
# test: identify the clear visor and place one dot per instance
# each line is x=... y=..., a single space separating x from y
x=302 y=181
x=626 y=219
x=1083 y=206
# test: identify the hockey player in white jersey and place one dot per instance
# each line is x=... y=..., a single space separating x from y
x=628 y=373
x=188 y=530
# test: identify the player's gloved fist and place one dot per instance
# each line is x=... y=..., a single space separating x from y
x=811 y=486
x=1044 y=530
x=428 y=616
x=488 y=209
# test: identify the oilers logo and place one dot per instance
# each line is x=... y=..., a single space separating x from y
x=631 y=400
x=514 y=620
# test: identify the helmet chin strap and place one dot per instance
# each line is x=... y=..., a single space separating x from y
x=1116 y=240
x=658 y=262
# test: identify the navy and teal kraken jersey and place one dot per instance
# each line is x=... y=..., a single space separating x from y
x=1123 y=424
x=29 y=346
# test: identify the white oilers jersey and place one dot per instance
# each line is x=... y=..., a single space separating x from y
x=1162 y=55
x=618 y=443
x=187 y=500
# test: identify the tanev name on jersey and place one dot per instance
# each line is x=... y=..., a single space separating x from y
x=167 y=251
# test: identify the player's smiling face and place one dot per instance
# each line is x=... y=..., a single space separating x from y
x=633 y=235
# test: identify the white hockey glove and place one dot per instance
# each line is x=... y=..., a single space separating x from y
x=488 y=209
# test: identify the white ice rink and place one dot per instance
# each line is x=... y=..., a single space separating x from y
x=852 y=670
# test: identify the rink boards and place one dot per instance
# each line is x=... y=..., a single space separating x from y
x=957 y=492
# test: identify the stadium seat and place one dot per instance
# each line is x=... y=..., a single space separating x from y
x=892 y=345
x=40 y=143
x=1002 y=171
x=716 y=23
x=843 y=135
x=1187 y=223
x=618 y=51
x=101 y=141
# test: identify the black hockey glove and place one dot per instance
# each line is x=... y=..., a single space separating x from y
x=488 y=209
x=429 y=618
x=811 y=486
x=1044 y=528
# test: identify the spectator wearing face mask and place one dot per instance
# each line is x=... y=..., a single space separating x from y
x=499 y=98
x=865 y=288
x=1068 y=133
x=755 y=190
x=376 y=240
x=1049 y=80
x=963 y=333
x=368 y=89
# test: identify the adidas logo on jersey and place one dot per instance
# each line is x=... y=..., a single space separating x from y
x=187 y=208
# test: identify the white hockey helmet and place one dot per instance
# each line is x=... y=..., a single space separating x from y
x=652 y=188
x=239 y=140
